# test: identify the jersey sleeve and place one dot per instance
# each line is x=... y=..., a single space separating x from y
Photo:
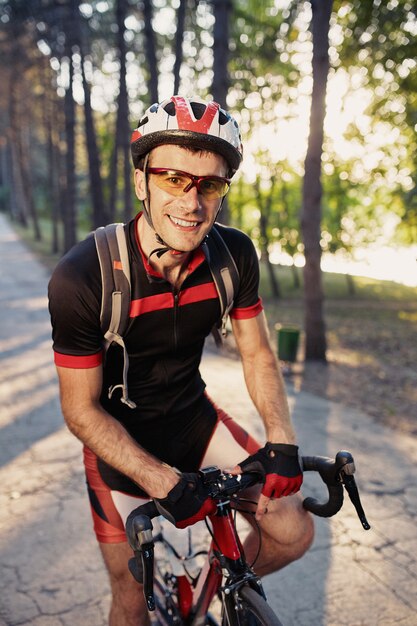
x=74 y=293
x=247 y=302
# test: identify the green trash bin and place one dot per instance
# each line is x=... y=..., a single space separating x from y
x=288 y=340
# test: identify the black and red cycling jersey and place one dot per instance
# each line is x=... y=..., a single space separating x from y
x=164 y=340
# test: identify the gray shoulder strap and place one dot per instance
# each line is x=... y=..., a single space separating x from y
x=225 y=276
x=113 y=257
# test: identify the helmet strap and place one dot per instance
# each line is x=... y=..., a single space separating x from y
x=145 y=202
x=160 y=251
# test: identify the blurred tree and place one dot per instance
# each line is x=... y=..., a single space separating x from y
x=315 y=335
x=179 y=40
x=150 y=49
x=288 y=217
x=221 y=82
x=20 y=57
x=99 y=214
x=262 y=78
x=264 y=202
x=69 y=203
x=122 y=136
x=377 y=46
x=220 y=86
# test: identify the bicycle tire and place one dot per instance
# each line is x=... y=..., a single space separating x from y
x=254 y=609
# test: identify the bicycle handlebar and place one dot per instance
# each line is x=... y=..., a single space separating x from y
x=335 y=473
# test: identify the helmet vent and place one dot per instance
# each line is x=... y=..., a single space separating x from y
x=143 y=121
x=223 y=118
x=170 y=108
x=197 y=108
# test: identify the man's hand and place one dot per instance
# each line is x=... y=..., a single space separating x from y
x=187 y=503
x=280 y=469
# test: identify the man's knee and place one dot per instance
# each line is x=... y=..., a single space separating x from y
x=290 y=525
x=305 y=536
x=127 y=593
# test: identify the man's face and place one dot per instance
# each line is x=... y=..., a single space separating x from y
x=181 y=221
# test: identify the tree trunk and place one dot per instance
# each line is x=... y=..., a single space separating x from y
x=179 y=39
x=96 y=184
x=123 y=110
x=6 y=178
x=315 y=345
x=18 y=200
x=351 y=285
x=221 y=81
x=122 y=138
x=265 y=211
x=150 y=51
x=53 y=159
x=24 y=144
x=295 y=276
x=70 y=234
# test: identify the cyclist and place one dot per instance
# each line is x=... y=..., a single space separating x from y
x=185 y=152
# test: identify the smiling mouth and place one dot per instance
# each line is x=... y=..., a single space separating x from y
x=183 y=223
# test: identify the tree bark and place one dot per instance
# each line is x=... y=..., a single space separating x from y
x=122 y=138
x=265 y=211
x=315 y=345
x=70 y=234
x=150 y=51
x=18 y=199
x=96 y=183
x=221 y=81
x=179 y=39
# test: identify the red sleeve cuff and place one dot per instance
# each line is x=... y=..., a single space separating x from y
x=78 y=362
x=247 y=312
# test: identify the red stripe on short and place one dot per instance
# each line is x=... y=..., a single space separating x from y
x=240 y=435
x=108 y=525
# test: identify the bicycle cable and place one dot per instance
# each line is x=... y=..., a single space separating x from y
x=238 y=500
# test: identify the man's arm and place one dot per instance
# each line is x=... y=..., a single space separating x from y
x=263 y=377
x=105 y=436
x=266 y=387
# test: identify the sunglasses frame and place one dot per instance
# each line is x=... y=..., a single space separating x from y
x=195 y=181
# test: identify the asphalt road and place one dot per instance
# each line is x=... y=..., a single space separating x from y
x=50 y=568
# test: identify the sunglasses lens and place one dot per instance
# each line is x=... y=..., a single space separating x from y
x=213 y=188
x=173 y=182
x=178 y=183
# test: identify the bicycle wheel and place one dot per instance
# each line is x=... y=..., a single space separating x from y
x=253 y=610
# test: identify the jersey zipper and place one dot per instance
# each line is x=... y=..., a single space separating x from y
x=176 y=304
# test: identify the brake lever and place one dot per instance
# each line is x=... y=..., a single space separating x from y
x=352 y=489
x=139 y=533
x=346 y=469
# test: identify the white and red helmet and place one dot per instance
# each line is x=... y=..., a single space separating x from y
x=190 y=123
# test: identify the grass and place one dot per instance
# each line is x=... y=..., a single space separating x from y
x=336 y=287
x=371 y=340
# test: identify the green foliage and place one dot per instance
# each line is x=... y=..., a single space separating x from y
x=377 y=41
x=373 y=45
x=283 y=200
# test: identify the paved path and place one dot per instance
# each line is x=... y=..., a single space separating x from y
x=50 y=569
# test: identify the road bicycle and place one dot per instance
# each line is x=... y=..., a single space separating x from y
x=180 y=598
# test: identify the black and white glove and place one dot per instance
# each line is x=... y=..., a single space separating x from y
x=187 y=503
